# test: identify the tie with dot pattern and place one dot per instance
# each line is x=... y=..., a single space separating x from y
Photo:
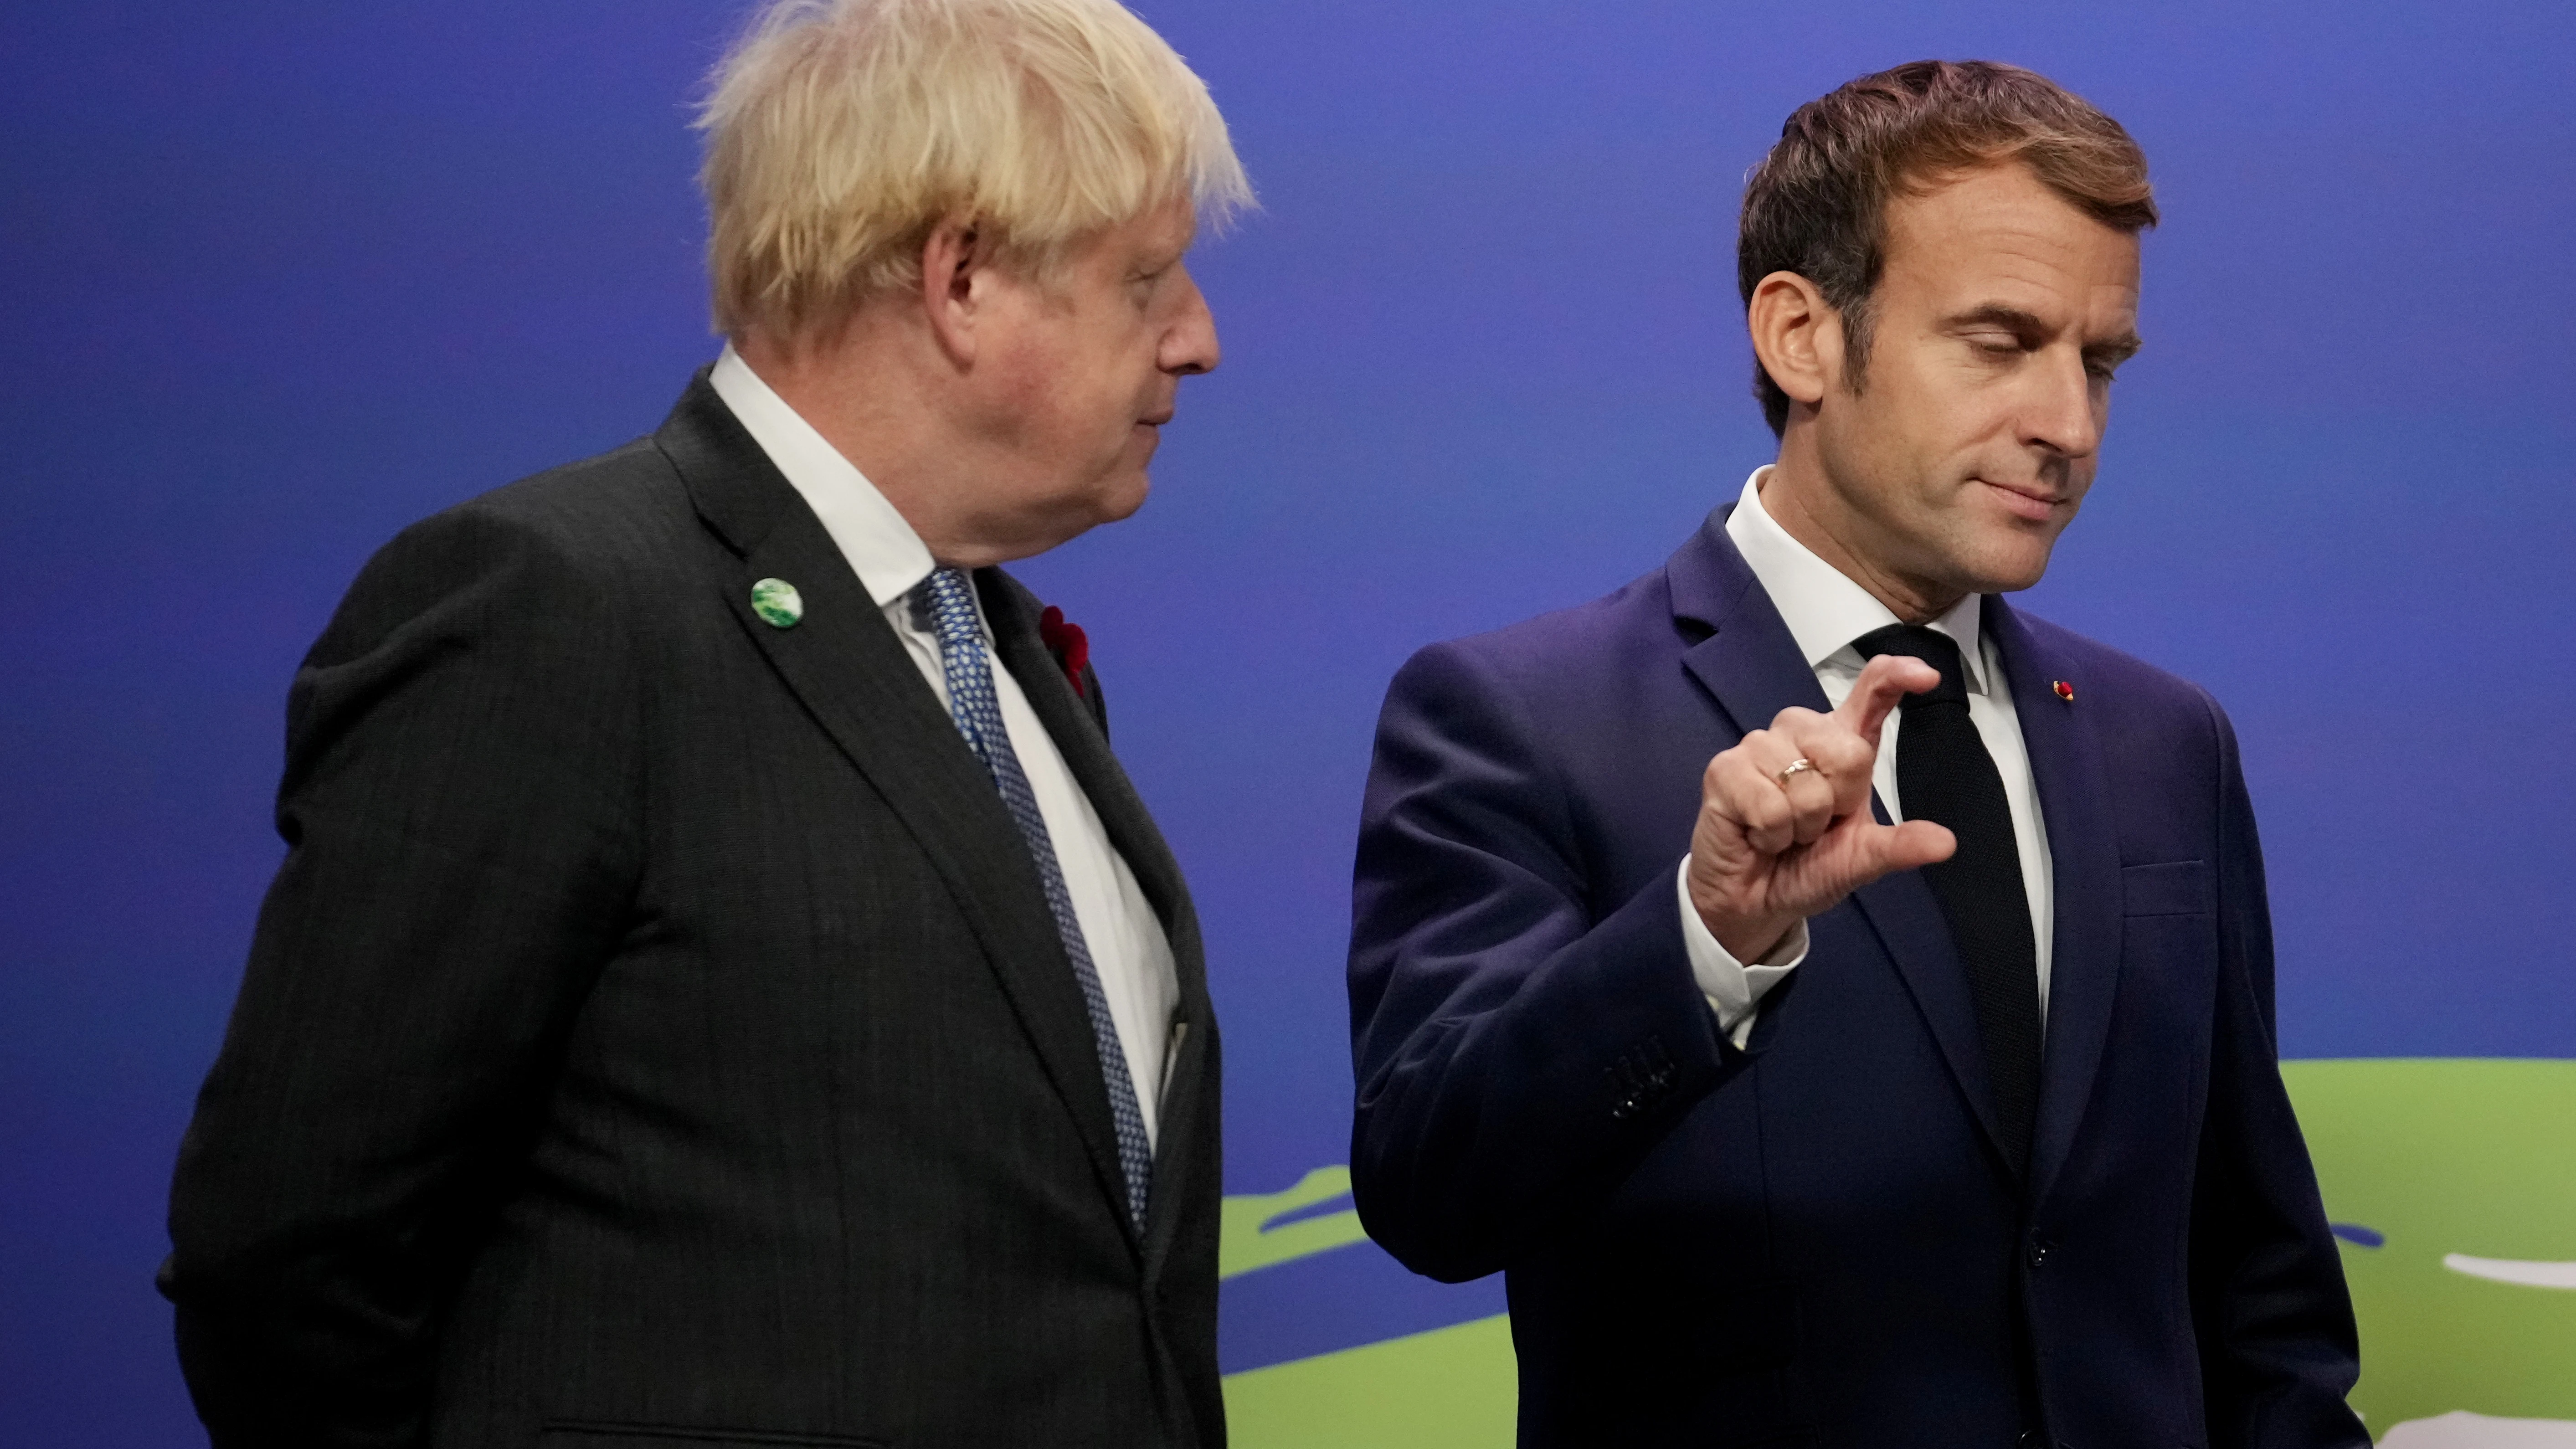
x=978 y=713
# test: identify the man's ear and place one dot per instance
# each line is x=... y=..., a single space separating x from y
x=955 y=258
x=1797 y=338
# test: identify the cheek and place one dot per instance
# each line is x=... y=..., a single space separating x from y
x=1909 y=446
x=1965 y=435
x=1124 y=390
x=1104 y=414
x=1032 y=388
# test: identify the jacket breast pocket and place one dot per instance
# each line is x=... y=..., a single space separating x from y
x=566 y=1435
x=2168 y=888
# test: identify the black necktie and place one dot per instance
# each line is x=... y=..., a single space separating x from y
x=1944 y=774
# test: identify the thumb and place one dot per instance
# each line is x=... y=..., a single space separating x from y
x=1909 y=845
x=1859 y=851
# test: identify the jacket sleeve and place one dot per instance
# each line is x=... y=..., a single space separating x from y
x=1518 y=1047
x=459 y=809
x=2277 y=1342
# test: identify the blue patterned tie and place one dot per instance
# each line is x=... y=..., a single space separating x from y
x=979 y=719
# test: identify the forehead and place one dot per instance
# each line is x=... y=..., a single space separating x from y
x=1163 y=231
x=1999 y=235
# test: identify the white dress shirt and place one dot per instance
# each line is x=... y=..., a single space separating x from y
x=1128 y=947
x=1825 y=612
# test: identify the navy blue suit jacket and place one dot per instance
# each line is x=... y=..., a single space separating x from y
x=1817 y=1240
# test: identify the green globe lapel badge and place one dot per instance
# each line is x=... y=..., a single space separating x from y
x=777 y=603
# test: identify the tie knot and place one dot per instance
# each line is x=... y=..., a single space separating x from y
x=948 y=598
x=1929 y=645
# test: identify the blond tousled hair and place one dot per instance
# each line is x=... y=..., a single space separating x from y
x=841 y=133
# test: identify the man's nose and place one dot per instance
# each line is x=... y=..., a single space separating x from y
x=2063 y=413
x=1190 y=345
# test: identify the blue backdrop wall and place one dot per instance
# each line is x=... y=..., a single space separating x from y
x=282 y=277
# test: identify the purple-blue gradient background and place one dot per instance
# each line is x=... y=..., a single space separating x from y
x=282 y=277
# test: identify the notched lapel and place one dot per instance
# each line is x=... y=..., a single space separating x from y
x=1750 y=666
x=1749 y=663
x=1012 y=611
x=845 y=665
x=2084 y=851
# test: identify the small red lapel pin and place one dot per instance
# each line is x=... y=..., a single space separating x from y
x=1070 y=646
x=2064 y=691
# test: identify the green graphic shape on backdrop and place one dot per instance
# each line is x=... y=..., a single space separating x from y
x=1254 y=1235
x=2454 y=1161
x=2463 y=1170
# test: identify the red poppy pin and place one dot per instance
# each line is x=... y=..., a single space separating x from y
x=2063 y=691
x=1066 y=641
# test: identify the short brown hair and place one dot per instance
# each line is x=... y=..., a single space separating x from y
x=1817 y=204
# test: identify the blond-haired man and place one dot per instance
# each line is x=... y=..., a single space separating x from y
x=721 y=989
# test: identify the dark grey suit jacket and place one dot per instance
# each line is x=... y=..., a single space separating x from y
x=657 y=1036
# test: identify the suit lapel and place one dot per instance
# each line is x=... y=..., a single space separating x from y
x=845 y=665
x=2083 y=845
x=1012 y=611
x=1752 y=666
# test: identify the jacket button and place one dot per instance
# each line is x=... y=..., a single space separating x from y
x=2038 y=1251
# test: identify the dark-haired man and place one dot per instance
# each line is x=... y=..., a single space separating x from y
x=1841 y=1002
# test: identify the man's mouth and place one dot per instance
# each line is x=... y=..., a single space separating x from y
x=2027 y=503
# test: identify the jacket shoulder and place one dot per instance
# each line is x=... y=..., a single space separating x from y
x=1566 y=654
x=580 y=540
x=627 y=504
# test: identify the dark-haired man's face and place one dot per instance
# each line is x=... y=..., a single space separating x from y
x=1998 y=319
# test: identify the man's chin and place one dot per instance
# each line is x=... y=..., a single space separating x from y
x=1123 y=498
x=2001 y=561
x=2012 y=573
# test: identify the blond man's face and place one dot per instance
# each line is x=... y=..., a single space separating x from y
x=1086 y=369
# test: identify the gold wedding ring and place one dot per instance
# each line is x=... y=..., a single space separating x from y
x=1799 y=766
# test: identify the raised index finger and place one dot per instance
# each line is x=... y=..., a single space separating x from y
x=1883 y=681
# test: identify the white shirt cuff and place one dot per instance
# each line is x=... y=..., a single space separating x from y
x=1734 y=989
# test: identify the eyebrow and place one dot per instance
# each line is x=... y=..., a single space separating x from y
x=1995 y=314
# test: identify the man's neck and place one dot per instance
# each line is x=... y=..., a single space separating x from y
x=1800 y=498
x=861 y=391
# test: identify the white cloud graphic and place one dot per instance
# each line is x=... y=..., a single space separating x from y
x=2512 y=1270
x=2463 y=1430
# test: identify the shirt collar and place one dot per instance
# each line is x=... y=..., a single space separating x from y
x=889 y=558
x=1824 y=609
